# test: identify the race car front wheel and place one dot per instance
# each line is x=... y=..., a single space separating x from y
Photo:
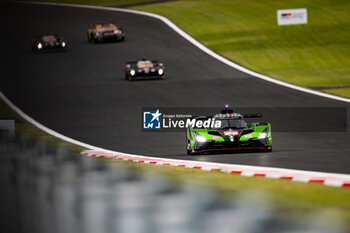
x=188 y=148
x=189 y=151
x=94 y=39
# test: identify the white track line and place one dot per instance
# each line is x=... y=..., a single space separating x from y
x=331 y=179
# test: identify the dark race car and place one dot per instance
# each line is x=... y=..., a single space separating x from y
x=144 y=69
x=105 y=32
x=48 y=42
x=234 y=133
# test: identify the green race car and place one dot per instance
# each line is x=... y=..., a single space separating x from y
x=231 y=132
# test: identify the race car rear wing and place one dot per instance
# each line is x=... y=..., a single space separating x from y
x=251 y=115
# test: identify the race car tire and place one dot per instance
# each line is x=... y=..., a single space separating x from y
x=189 y=152
x=94 y=39
x=89 y=38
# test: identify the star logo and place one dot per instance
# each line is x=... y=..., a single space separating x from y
x=156 y=115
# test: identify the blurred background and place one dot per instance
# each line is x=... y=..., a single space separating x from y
x=48 y=189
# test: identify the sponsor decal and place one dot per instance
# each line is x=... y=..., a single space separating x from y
x=248 y=136
x=286 y=15
x=230 y=133
x=291 y=16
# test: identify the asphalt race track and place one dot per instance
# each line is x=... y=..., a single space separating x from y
x=82 y=93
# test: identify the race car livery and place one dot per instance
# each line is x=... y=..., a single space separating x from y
x=234 y=133
x=144 y=69
x=105 y=32
x=48 y=42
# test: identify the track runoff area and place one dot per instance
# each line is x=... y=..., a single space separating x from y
x=237 y=77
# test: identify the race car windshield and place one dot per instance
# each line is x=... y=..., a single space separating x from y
x=107 y=25
x=144 y=64
x=49 y=38
x=232 y=123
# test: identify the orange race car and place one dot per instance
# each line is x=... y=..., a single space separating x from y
x=105 y=32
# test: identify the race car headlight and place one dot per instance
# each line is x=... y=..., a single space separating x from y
x=262 y=135
x=40 y=46
x=160 y=71
x=132 y=72
x=63 y=44
x=116 y=31
x=200 y=138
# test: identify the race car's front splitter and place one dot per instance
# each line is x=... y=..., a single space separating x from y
x=144 y=76
x=262 y=144
x=232 y=149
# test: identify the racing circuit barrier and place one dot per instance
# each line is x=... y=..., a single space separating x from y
x=48 y=189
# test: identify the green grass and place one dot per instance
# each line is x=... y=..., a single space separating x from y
x=315 y=54
x=344 y=92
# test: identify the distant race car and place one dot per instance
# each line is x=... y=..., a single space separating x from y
x=48 y=42
x=105 y=32
x=144 y=69
x=233 y=134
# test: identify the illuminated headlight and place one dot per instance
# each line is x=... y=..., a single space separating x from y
x=160 y=71
x=97 y=33
x=116 y=31
x=132 y=72
x=40 y=46
x=262 y=135
x=63 y=44
x=200 y=138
